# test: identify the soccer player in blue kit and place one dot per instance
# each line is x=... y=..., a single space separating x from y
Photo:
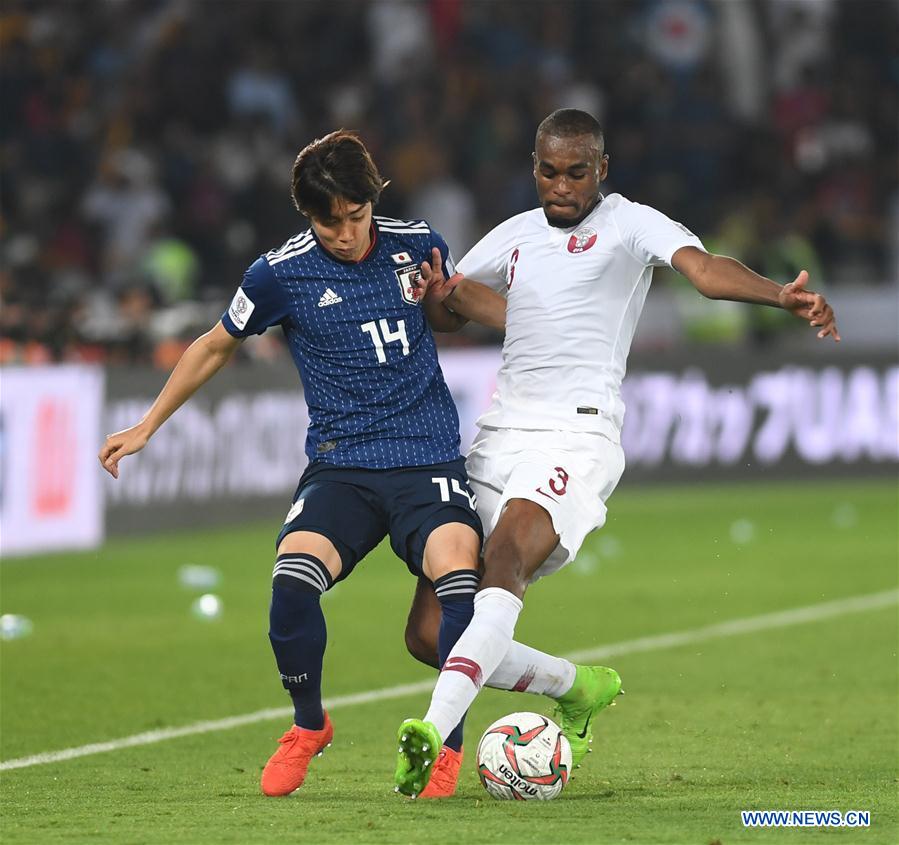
x=383 y=439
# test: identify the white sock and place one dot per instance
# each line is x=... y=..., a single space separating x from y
x=524 y=669
x=474 y=657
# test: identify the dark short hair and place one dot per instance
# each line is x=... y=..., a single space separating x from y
x=337 y=166
x=571 y=123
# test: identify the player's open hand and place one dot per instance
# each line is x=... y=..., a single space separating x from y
x=118 y=445
x=433 y=282
x=809 y=306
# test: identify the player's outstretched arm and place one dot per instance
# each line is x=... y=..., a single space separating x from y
x=199 y=363
x=450 y=303
x=720 y=277
x=479 y=303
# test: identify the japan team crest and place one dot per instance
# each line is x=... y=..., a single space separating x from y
x=408 y=278
x=582 y=240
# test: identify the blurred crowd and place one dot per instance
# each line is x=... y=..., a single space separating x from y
x=146 y=145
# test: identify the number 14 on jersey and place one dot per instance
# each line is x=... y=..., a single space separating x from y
x=381 y=334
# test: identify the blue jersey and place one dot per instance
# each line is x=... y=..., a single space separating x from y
x=361 y=343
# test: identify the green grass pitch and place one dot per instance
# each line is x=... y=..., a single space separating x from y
x=796 y=717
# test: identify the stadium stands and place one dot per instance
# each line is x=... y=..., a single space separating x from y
x=147 y=147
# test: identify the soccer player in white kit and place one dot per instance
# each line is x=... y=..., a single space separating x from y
x=575 y=273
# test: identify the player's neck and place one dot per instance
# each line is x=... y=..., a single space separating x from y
x=572 y=223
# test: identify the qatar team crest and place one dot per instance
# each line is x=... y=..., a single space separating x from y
x=582 y=240
x=408 y=277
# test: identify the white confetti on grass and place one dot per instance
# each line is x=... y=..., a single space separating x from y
x=207 y=607
x=610 y=546
x=191 y=576
x=15 y=627
x=844 y=516
x=742 y=531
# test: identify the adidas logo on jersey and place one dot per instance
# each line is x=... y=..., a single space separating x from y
x=329 y=298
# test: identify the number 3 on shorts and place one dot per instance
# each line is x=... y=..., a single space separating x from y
x=444 y=485
x=558 y=484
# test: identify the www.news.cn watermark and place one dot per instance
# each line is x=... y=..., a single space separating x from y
x=805 y=818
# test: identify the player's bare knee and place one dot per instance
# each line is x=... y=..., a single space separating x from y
x=509 y=566
x=317 y=545
x=522 y=541
x=450 y=547
x=510 y=557
x=506 y=566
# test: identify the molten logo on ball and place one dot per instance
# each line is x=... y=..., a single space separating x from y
x=523 y=757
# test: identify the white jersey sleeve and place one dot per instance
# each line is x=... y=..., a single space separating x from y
x=650 y=236
x=489 y=260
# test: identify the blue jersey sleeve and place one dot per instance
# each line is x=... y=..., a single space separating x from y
x=260 y=302
x=449 y=266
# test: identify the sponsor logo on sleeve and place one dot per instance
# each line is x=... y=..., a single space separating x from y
x=240 y=309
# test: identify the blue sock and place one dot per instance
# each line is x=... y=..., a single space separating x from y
x=455 y=592
x=298 y=634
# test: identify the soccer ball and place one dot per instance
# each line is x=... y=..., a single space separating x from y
x=524 y=757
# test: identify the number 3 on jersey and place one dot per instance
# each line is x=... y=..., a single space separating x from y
x=512 y=262
x=386 y=335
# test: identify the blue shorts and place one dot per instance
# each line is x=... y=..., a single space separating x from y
x=356 y=508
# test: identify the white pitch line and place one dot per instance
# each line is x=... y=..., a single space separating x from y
x=747 y=625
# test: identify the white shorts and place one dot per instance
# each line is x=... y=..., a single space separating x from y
x=570 y=474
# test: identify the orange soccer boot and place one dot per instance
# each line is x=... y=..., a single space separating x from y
x=444 y=775
x=285 y=770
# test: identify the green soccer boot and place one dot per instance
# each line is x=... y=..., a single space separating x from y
x=594 y=688
x=419 y=745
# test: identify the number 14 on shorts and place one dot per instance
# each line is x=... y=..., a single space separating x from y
x=447 y=484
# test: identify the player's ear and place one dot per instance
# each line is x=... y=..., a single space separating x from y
x=603 y=167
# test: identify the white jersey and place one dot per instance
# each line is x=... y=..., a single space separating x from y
x=574 y=298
